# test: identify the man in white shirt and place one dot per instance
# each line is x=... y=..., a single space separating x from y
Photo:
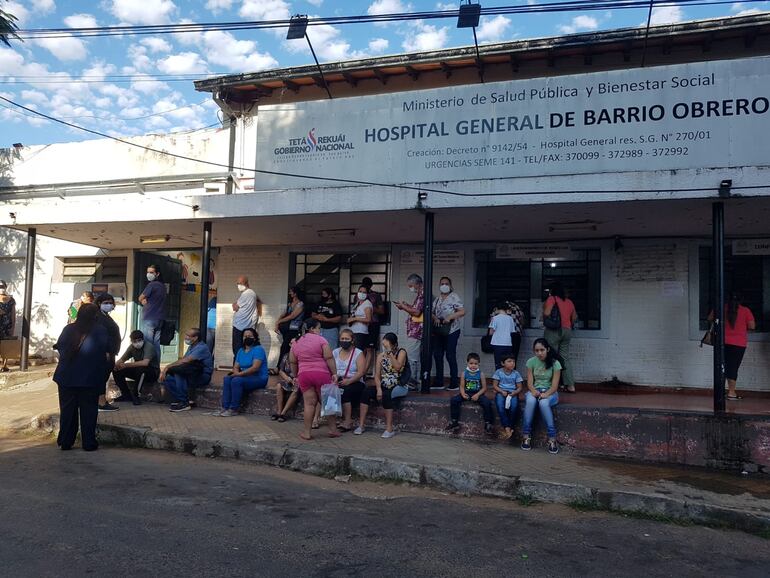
x=248 y=310
x=500 y=327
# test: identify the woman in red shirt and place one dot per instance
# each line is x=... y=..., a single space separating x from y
x=560 y=338
x=738 y=322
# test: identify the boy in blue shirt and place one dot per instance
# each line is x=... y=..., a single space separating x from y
x=473 y=387
x=507 y=383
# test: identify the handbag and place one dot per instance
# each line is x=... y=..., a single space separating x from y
x=708 y=337
x=553 y=319
x=486 y=344
x=406 y=373
x=331 y=400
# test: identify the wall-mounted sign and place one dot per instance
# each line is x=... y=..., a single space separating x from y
x=440 y=257
x=751 y=247
x=686 y=116
x=519 y=252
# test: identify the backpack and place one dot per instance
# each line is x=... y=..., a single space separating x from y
x=553 y=320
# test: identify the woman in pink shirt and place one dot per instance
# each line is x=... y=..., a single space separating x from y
x=738 y=322
x=312 y=362
x=559 y=338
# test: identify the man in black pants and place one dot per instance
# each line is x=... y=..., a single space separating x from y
x=144 y=363
x=106 y=304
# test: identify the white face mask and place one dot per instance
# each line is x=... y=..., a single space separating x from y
x=2 y=290
x=151 y=276
x=241 y=287
x=445 y=289
x=137 y=344
x=187 y=341
x=107 y=307
x=413 y=289
x=468 y=367
x=362 y=296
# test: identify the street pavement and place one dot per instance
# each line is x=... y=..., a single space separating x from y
x=122 y=512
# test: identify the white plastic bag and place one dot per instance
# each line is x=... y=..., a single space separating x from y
x=331 y=400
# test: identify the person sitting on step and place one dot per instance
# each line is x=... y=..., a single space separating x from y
x=191 y=371
x=473 y=387
x=144 y=368
x=249 y=373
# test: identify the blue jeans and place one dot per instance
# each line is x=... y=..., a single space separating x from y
x=457 y=401
x=501 y=351
x=446 y=345
x=233 y=388
x=507 y=416
x=180 y=379
x=151 y=330
x=545 y=411
x=332 y=336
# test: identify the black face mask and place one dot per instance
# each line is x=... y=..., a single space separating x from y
x=346 y=344
x=249 y=341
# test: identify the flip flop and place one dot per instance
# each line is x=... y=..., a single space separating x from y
x=344 y=429
x=281 y=418
x=734 y=397
x=307 y=439
x=335 y=434
x=316 y=426
x=274 y=417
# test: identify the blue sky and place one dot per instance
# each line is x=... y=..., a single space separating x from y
x=75 y=79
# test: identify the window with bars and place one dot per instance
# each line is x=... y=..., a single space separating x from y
x=526 y=282
x=747 y=274
x=343 y=272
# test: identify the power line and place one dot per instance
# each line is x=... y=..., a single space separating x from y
x=369 y=183
x=546 y=7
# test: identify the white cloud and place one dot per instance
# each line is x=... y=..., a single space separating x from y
x=43 y=6
x=579 y=24
x=666 y=15
x=741 y=9
x=219 y=5
x=81 y=21
x=378 y=45
x=423 y=36
x=143 y=11
x=493 y=29
x=224 y=49
x=446 y=6
x=388 y=7
x=265 y=9
x=99 y=69
x=137 y=54
x=315 y=2
x=156 y=44
x=65 y=47
x=18 y=10
x=183 y=63
x=327 y=41
x=34 y=96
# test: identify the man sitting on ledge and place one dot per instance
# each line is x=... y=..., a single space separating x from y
x=193 y=370
x=144 y=362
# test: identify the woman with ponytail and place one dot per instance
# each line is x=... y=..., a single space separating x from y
x=738 y=322
x=543 y=373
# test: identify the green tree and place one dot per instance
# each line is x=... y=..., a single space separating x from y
x=8 y=27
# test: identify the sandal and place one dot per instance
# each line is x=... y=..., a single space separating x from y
x=274 y=417
x=344 y=429
x=316 y=425
x=281 y=418
x=734 y=397
x=334 y=434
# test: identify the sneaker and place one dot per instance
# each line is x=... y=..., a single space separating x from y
x=488 y=428
x=358 y=431
x=137 y=401
x=122 y=398
x=436 y=387
x=526 y=443
x=453 y=427
x=228 y=413
x=108 y=407
x=455 y=387
x=175 y=407
x=553 y=447
x=388 y=434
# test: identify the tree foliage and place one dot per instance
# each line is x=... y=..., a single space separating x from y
x=8 y=27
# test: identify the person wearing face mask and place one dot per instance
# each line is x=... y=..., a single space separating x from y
x=106 y=304
x=290 y=323
x=72 y=312
x=248 y=310
x=191 y=371
x=414 y=311
x=153 y=300
x=447 y=311
x=249 y=373
x=350 y=376
x=329 y=313
x=7 y=318
x=138 y=360
x=359 y=320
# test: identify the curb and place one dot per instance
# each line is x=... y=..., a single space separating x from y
x=470 y=483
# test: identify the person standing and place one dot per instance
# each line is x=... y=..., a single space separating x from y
x=518 y=327
x=84 y=351
x=560 y=338
x=248 y=309
x=501 y=327
x=289 y=324
x=446 y=312
x=414 y=311
x=329 y=313
x=7 y=318
x=144 y=363
x=359 y=319
x=378 y=315
x=153 y=301
x=191 y=371
x=72 y=312
x=738 y=322
x=313 y=363
x=106 y=304
x=211 y=323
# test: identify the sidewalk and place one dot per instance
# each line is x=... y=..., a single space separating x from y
x=455 y=465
